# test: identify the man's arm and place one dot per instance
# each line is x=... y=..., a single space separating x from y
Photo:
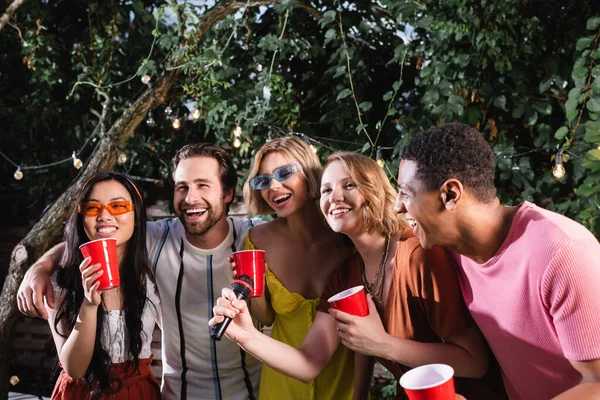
x=589 y=388
x=36 y=284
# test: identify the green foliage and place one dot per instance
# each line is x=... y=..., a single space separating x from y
x=354 y=75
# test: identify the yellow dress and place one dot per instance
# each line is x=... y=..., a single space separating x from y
x=294 y=316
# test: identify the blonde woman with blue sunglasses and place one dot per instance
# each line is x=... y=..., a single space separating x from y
x=301 y=253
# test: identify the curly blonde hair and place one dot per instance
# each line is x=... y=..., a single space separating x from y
x=297 y=151
x=374 y=185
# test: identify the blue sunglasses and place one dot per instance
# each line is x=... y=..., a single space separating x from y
x=281 y=174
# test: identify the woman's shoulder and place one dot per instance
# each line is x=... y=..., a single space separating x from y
x=262 y=234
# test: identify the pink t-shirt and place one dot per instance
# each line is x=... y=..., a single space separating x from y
x=537 y=301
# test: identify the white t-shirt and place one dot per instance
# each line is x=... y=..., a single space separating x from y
x=195 y=366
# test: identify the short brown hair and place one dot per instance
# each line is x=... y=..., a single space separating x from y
x=374 y=185
x=297 y=151
x=228 y=175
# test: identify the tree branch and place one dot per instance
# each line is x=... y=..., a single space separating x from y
x=10 y=10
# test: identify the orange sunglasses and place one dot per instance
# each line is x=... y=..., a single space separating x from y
x=94 y=208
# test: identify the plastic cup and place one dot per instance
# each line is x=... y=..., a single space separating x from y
x=104 y=252
x=351 y=301
x=252 y=264
x=429 y=382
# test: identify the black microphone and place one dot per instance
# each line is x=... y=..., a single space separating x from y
x=242 y=287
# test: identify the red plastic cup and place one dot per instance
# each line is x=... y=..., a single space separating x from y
x=351 y=301
x=104 y=252
x=252 y=264
x=429 y=382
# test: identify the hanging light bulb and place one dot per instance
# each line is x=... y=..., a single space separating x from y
x=145 y=79
x=558 y=170
x=14 y=380
x=176 y=123
x=598 y=147
x=313 y=148
x=150 y=120
x=76 y=161
x=18 y=174
x=196 y=114
x=122 y=159
x=237 y=143
x=237 y=132
x=379 y=158
x=168 y=110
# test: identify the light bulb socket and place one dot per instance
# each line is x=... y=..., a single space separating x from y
x=559 y=157
x=379 y=155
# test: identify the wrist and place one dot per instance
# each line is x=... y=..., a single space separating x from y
x=251 y=338
x=86 y=306
x=385 y=348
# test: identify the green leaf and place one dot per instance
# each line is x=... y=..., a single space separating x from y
x=561 y=132
x=343 y=94
x=546 y=83
x=587 y=189
x=542 y=107
x=593 y=104
x=366 y=147
x=365 y=105
x=500 y=102
x=388 y=96
x=396 y=85
x=584 y=42
x=579 y=72
x=519 y=108
x=593 y=23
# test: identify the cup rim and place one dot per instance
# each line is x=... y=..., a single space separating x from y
x=97 y=240
x=445 y=370
x=246 y=251
x=345 y=293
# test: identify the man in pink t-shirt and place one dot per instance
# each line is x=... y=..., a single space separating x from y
x=530 y=277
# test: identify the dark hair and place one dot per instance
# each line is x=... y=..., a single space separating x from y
x=228 y=173
x=453 y=151
x=133 y=271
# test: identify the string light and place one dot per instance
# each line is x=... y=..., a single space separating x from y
x=176 y=123
x=122 y=159
x=379 y=158
x=196 y=114
x=237 y=132
x=150 y=120
x=18 y=174
x=76 y=161
x=145 y=79
x=313 y=148
x=237 y=143
x=558 y=170
x=168 y=110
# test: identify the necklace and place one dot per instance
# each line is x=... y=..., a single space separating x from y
x=379 y=275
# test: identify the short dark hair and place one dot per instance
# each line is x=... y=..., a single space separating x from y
x=457 y=151
x=228 y=174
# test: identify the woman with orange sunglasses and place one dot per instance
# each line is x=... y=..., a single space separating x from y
x=103 y=337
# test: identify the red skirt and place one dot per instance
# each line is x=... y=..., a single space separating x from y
x=124 y=384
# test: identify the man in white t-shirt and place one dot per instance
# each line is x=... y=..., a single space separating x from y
x=189 y=259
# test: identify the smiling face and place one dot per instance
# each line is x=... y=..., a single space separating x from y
x=106 y=225
x=341 y=200
x=198 y=198
x=423 y=209
x=286 y=197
